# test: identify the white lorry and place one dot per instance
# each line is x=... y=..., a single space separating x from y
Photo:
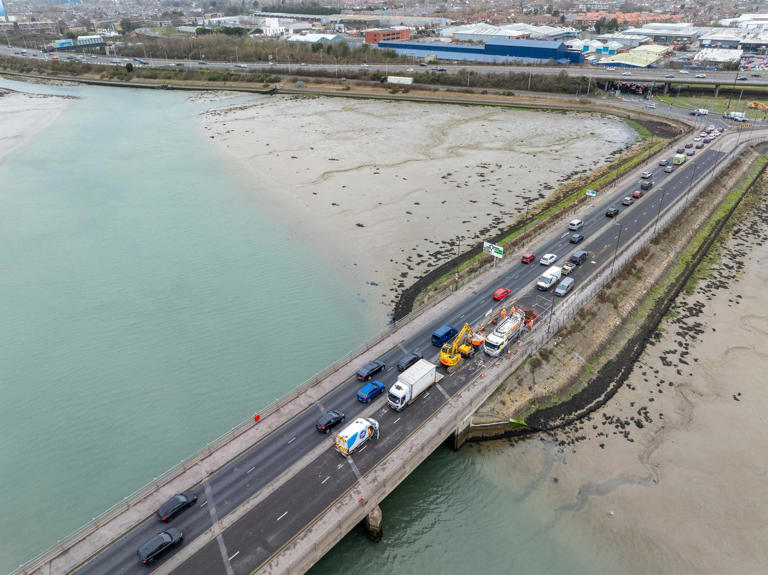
x=700 y=112
x=411 y=383
x=354 y=435
x=549 y=278
x=505 y=333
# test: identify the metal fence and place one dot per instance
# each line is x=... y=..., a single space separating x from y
x=548 y=324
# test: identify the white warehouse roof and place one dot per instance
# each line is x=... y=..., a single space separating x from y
x=720 y=55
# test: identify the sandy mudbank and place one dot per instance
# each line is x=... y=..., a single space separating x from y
x=393 y=189
x=670 y=474
x=23 y=115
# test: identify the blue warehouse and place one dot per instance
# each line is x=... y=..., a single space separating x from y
x=494 y=50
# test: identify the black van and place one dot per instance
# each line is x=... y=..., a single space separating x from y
x=579 y=257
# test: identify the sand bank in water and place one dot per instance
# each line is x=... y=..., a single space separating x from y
x=23 y=115
x=393 y=188
x=670 y=474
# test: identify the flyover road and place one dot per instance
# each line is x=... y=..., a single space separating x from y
x=319 y=475
x=658 y=75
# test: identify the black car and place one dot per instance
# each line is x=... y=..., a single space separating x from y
x=408 y=360
x=690 y=153
x=329 y=420
x=610 y=212
x=370 y=369
x=159 y=544
x=741 y=78
x=681 y=150
x=576 y=238
x=646 y=185
x=689 y=145
x=175 y=505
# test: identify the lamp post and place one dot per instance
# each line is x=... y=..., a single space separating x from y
x=616 y=249
x=551 y=311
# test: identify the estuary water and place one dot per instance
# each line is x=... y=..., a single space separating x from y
x=149 y=303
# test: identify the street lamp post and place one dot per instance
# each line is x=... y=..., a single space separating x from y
x=551 y=311
x=616 y=249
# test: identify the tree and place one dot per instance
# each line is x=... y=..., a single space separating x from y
x=129 y=67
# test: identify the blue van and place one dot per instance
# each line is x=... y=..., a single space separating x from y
x=443 y=334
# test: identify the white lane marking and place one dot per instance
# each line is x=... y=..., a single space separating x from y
x=395 y=421
x=426 y=395
x=251 y=469
x=326 y=479
x=355 y=470
x=390 y=368
x=441 y=390
x=235 y=555
x=460 y=316
x=283 y=515
x=292 y=440
x=203 y=504
x=564 y=235
x=362 y=449
x=339 y=466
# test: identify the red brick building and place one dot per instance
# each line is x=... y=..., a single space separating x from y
x=395 y=34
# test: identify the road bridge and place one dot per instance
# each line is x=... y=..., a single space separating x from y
x=274 y=496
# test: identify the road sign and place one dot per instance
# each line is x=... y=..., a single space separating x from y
x=592 y=193
x=493 y=250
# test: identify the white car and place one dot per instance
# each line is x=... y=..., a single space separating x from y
x=701 y=75
x=652 y=106
x=547 y=259
x=363 y=65
x=626 y=73
x=409 y=70
x=683 y=71
x=609 y=69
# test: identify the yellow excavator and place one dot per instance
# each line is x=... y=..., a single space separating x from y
x=759 y=105
x=462 y=346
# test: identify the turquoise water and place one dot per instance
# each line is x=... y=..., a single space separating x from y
x=147 y=302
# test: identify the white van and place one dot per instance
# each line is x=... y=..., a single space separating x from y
x=549 y=278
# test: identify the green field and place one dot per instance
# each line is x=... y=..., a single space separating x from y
x=718 y=105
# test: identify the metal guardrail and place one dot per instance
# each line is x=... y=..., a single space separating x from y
x=564 y=312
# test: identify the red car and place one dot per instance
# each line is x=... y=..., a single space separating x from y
x=501 y=293
x=528 y=258
x=637 y=194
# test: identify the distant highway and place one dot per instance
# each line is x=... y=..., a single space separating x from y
x=339 y=70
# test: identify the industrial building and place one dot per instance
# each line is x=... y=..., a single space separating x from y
x=483 y=32
x=494 y=50
x=648 y=56
x=717 y=57
x=668 y=33
x=394 y=34
x=316 y=38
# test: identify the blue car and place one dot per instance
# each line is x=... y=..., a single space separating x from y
x=370 y=391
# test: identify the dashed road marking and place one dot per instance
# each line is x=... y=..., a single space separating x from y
x=395 y=421
x=234 y=555
x=292 y=440
x=326 y=479
x=426 y=395
x=203 y=504
x=251 y=469
x=283 y=515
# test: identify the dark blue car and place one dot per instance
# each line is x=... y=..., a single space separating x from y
x=370 y=391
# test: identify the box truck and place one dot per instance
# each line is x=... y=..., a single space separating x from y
x=549 y=278
x=411 y=383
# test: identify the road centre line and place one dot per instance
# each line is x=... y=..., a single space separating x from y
x=283 y=515
x=235 y=555
x=292 y=440
x=251 y=469
x=326 y=479
x=395 y=421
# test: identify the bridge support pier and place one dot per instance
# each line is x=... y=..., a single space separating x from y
x=374 y=524
x=461 y=433
x=666 y=88
x=717 y=89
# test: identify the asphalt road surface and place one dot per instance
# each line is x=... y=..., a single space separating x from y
x=284 y=512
